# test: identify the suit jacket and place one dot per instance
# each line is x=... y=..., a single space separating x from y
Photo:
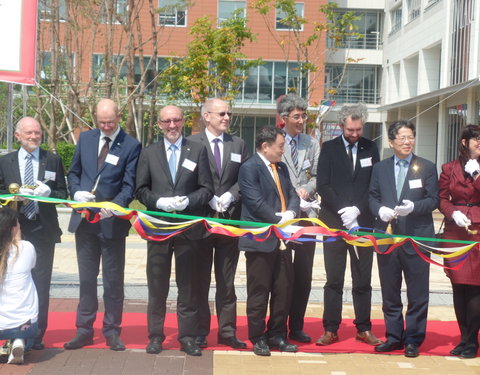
x=234 y=154
x=10 y=173
x=338 y=187
x=193 y=179
x=304 y=175
x=420 y=186
x=261 y=199
x=116 y=177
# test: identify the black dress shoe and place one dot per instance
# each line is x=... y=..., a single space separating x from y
x=388 y=347
x=38 y=345
x=154 y=345
x=201 y=341
x=469 y=352
x=411 y=350
x=261 y=348
x=79 y=341
x=458 y=349
x=281 y=344
x=115 y=343
x=191 y=348
x=232 y=342
x=299 y=336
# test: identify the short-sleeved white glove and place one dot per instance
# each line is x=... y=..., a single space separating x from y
x=349 y=215
x=166 y=204
x=386 y=214
x=472 y=166
x=285 y=216
x=180 y=203
x=225 y=200
x=405 y=209
x=83 y=196
x=42 y=189
x=461 y=219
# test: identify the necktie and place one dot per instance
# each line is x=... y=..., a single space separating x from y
x=279 y=187
x=29 y=209
x=103 y=152
x=350 y=155
x=402 y=172
x=293 y=149
x=172 y=162
x=216 y=155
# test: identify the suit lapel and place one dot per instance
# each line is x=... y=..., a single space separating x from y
x=390 y=178
x=42 y=164
x=227 y=151
x=266 y=173
x=302 y=150
x=163 y=161
x=343 y=153
x=184 y=153
x=411 y=174
x=15 y=172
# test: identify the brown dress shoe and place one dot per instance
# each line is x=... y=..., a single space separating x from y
x=368 y=337
x=327 y=338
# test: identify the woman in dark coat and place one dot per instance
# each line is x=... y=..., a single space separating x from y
x=460 y=203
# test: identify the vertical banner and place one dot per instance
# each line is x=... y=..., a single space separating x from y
x=18 y=36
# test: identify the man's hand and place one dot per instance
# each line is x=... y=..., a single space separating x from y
x=83 y=196
x=386 y=214
x=405 y=209
x=180 y=203
x=213 y=203
x=42 y=189
x=303 y=194
x=24 y=191
x=305 y=205
x=105 y=213
x=461 y=219
x=285 y=216
x=353 y=224
x=349 y=215
x=225 y=200
x=166 y=204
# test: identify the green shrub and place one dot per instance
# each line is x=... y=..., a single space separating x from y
x=65 y=151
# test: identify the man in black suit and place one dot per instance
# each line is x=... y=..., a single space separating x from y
x=226 y=153
x=269 y=197
x=102 y=170
x=38 y=221
x=344 y=170
x=404 y=191
x=173 y=175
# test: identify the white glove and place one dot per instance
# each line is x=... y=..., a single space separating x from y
x=25 y=191
x=214 y=204
x=105 y=213
x=180 y=203
x=305 y=205
x=166 y=204
x=83 y=196
x=349 y=215
x=405 y=208
x=386 y=214
x=42 y=189
x=226 y=200
x=472 y=166
x=461 y=219
x=353 y=224
x=285 y=216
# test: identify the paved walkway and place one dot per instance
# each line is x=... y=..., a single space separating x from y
x=64 y=294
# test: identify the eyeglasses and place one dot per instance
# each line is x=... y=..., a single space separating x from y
x=176 y=121
x=476 y=139
x=298 y=117
x=222 y=114
x=404 y=138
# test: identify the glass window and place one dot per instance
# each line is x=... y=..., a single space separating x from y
x=396 y=20
x=63 y=65
x=251 y=85
x=413 y=9
x=265 y=75
x=118 y=67
x=48 y=10
x=114 y=11
x=281 y=23
x=226 y=9
x=172 y=13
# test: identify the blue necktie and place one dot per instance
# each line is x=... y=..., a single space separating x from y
x=402 y=172
x=172 y=162
x=29 y=209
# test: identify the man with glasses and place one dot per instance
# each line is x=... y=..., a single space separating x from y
x=102 y=169
x=404 y=192
x=344 y=170
x=173 y=175
x=226 y=153
x=301 y=157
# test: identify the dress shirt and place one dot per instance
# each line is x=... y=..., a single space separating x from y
x=397 y=166
x=211 y=139
x=35 y=161
x=178 y=143
x=112 y=137
x=354 y=149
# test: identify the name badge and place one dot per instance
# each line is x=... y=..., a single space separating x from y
x=415 y=184
x=306 y=164
x=112 y=159
x=190 y=165
x=366 y=162
x=50 y=175
x=236 y=158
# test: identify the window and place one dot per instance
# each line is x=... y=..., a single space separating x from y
x=396 y=20
x=463 y=16
x=52 y=10
x=114 y=11
x=117 y=67
x=62 y=68
x=171 y=13
x=413 y=9
x=284 y=22
x=228 y=9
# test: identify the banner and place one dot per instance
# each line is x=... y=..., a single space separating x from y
x=18 y=36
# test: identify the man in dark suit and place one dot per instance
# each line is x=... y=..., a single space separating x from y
x=226 y=153
x=173 y=175
x=269 y=197
x=301 y=158
x=41 y=174
x=344 y=170
x=404 y=191
x=102 y=170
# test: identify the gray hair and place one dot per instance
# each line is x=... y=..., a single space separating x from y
x=290 y=102
x=355 y=112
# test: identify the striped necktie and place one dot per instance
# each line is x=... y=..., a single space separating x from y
x=293 y=149
x=29 y=209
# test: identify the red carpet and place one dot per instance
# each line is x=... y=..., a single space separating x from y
x=441 y=336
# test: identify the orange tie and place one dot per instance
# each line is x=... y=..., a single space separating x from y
x=279 y=186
